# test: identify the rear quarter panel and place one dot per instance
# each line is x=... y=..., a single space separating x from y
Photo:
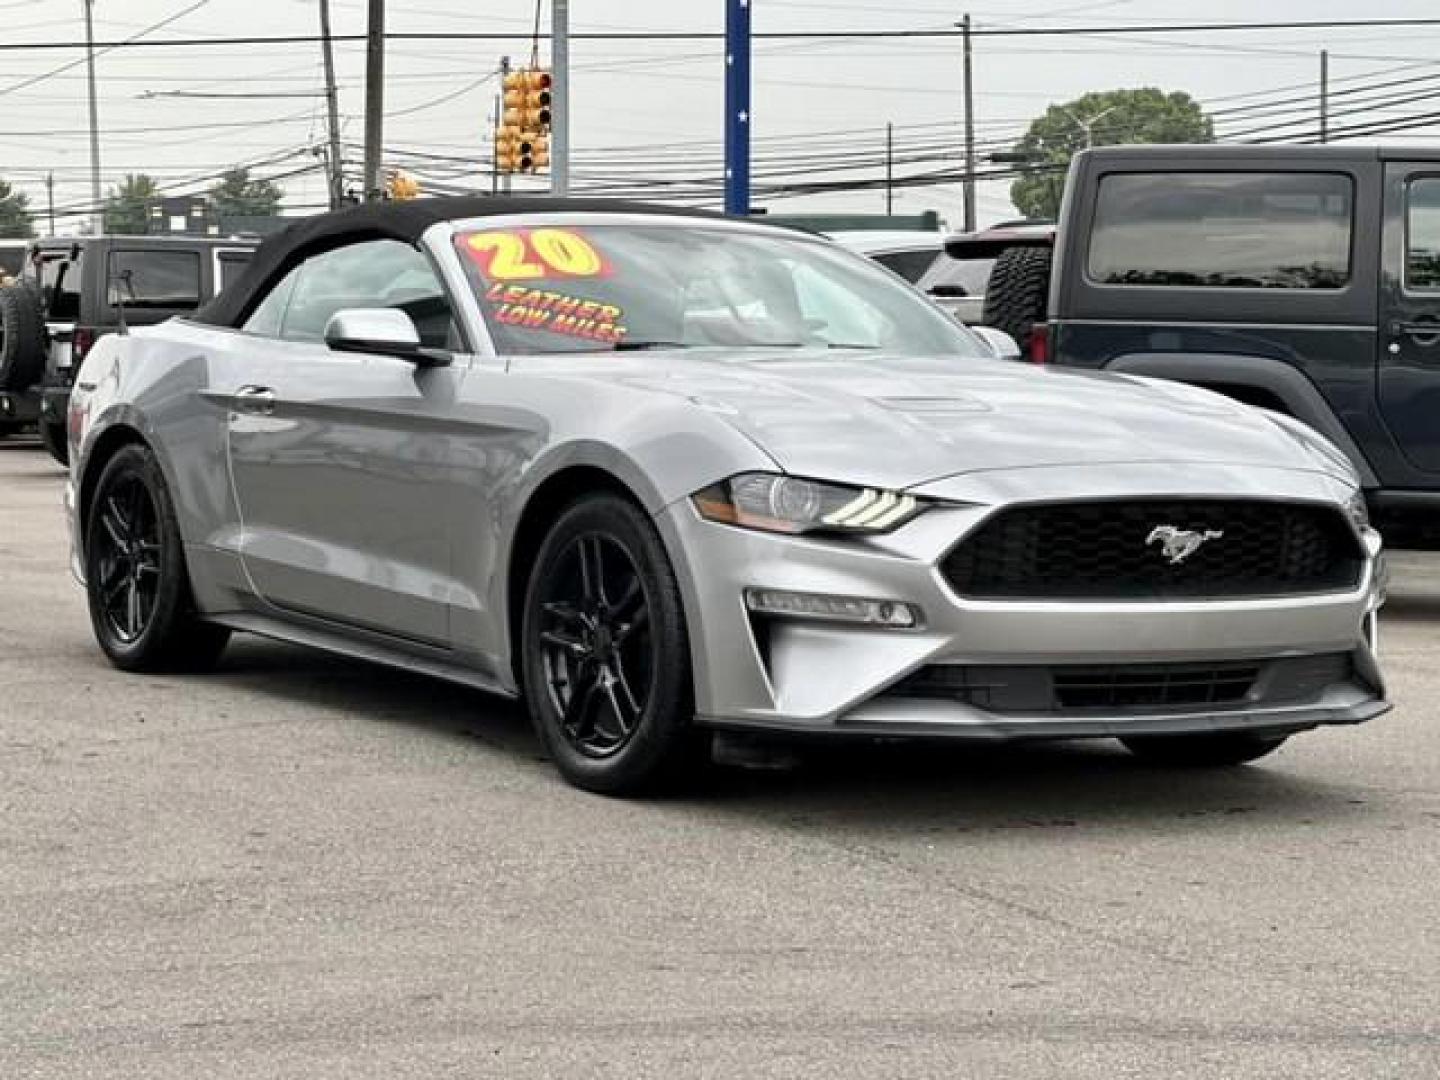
x=156 y=382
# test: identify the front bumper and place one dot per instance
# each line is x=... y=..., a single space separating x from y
x=790 y=675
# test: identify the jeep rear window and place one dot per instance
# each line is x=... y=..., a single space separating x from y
x=155 y=279
x=1245 y=230
x=59 y=274
x=1422 y=234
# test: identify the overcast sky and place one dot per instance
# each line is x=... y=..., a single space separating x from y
x=639 y=93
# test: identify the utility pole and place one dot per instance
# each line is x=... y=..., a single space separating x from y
x=737 y=107
x=96 y=207
x=50 y=199
x=969 y=131
x=1324 y=95
x=560 y=97
x=889 y=168
x=373 y=182
x=504 y=181
x=332 y=105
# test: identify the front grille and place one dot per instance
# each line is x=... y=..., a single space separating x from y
x=1111 y=551
x=1064 y=688
x=1153 y=684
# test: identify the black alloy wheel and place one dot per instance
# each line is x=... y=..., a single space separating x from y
x=141 y=607
x=605 y=651
x=127 y=558
x=598 y=649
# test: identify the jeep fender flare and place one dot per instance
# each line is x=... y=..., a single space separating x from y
x=1288 y=385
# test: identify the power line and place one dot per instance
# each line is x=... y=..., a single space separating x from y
x=772 y=35
x=101 y=50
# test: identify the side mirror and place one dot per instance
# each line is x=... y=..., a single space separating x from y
x=380 y=332
x=1001 y=345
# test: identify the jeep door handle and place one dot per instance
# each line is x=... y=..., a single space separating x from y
x=1424 y=333
x=254 y=400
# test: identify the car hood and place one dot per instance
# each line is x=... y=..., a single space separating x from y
x=896 y=422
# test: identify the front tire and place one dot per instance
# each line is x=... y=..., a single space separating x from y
x=137 y=583
x=606 y=654
x=1202 y=751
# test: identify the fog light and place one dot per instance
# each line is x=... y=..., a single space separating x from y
x=847 y=609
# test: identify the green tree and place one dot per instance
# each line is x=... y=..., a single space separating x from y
x=16 y=221
x=237 y=195
x=127 y=205
x=1145 y=115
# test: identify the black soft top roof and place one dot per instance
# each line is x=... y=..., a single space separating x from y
x=405 y=221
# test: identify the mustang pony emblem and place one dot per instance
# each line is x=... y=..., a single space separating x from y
x=1177 y=545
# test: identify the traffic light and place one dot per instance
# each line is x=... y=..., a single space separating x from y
x=401 y=185
x=522 y=138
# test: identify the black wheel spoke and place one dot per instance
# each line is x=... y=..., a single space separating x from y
x=132 y=607
x=565 y=612
x=622 y=698
x=572 y=645
x=579 y=717
x=592 y=571
x=109 y=593
x=115 y=526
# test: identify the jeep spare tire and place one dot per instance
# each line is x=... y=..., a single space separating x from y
x=1018 y=292
x=22 y=338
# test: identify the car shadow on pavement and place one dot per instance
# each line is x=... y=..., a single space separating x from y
x=865 y=787
x=995 y=790
x=374 y=692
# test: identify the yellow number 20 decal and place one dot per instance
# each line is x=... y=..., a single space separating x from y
x=522 y=254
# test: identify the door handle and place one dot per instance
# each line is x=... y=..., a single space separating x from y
x=254 y=400
x=1423 y=333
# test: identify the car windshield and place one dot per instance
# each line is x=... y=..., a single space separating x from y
x=565 y=287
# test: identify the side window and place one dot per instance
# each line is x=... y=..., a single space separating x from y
x=60 y=285
x=269 y=314
x=1237 y=230
x=1422 y=234
x=370 y=274
x=154 y=279
x=229 y=265
x=910 y=265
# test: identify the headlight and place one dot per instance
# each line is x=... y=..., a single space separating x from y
x=1358 y=510
x=788 y=504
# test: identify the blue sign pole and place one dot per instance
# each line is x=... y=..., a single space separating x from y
x=737 y=107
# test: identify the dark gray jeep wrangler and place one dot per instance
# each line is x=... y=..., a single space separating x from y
x=70 y=292
x=1300 y=279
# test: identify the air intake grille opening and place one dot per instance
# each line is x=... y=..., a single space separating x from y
x=1117 y=551
x=1066 y=688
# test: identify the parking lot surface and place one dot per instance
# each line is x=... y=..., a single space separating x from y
x=301 y=866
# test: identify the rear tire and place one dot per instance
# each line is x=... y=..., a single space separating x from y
x=22 y=338
x=1202 y=751
x=56 y=441
x=141 y=607
x=1018 y=293
x=606 y=652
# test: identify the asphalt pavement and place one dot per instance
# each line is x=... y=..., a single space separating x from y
x=302 y=866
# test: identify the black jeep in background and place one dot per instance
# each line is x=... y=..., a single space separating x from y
x=1301 y=279
x=72 y=291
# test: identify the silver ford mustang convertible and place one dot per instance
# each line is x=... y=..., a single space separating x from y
x=664 y=474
